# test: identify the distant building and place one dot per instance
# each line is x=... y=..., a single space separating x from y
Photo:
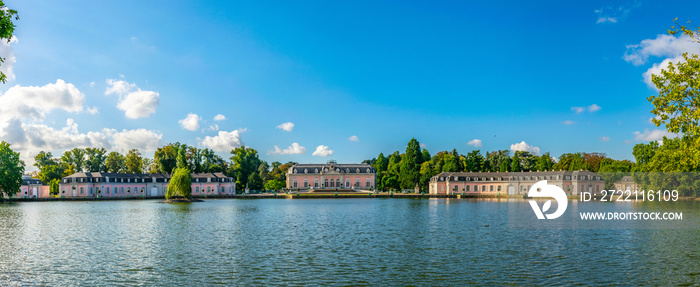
x=331 y=175
x=627 y=183
x=92 y=184
x=33 y=188
x=513 y=183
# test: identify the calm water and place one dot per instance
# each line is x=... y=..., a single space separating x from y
x=320 y=242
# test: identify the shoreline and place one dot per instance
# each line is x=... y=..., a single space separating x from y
x=304 y=196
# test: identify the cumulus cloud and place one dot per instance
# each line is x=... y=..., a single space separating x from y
x=295 y=148
x=592 y=108
x=191 y=122
x=92 y=111
x=475 y=143
x=667 y=47
x=604 y=139
x=35 y=102
x=523 y=146
x=214 y=127
x=224 y=141
x=423 y=145
x=219 y=117
x=653 y=135
x=568 y=122
x=288 y=126
x=322 y=150
x=135 y=103
x=8 y=54
x=141 y=139
x=354 y=139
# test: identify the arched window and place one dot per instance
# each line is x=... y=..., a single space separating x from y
x=368 y=183
x=357 y=182
x=306 y=183
x=295 y=183
x=325 y=183
x=315 y=182
x=337 y=183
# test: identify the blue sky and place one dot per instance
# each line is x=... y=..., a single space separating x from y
x=560 y=76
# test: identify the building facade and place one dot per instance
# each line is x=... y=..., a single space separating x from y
x=331 y=175
x=93 y=184
x=627 y=183
x=33 y=188
x=514 y=183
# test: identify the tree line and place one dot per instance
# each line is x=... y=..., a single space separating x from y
x=416 y=166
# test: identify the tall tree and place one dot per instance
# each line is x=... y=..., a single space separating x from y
x=115 y=162
x=42 y=159
x=410 y=165
x=180 y=183
x=95 y=161
x=11 y=170
x=515 y=164
x=7 y=29
x=75 y=158
x=245 y=162
x=166 y=157
x=134 y=162
x=544 y=162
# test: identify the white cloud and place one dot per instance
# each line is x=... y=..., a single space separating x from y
x=568 y=122
x=191 y=122
x=475 y=143
x=604 y=139
x=606 y=19
x=653 y=135
x=219 y=117
x=288 y=126
x=322 y=150
x=141 y=139
x=652 y=118
x=214 y=127
x=35 y=102
x=135 y=103
x=592 y=108
x=224 y=141
x=295 y=148
x=8 y=54
x=354 y=139
x=423 y=145
x=670 y=48
x=92 y=111
x=91 y=84
x=523 y=146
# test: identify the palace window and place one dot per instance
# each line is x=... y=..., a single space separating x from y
x=196 y=189
x=466 y=188
x=357 y=182
x=107 y=190
x=316 y=182
x=368 y=183
x=337 y=183
x=295 y=183
x=306 y=183
x=490 y=187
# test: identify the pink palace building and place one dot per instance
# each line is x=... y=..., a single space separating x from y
x=93 y=184
x=32 y=188
x=514 y=183
x=331 y=175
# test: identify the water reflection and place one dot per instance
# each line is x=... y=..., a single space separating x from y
x=327 y=241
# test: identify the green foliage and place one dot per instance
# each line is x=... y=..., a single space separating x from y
x=115 y=162
x=274 y=184
x=544 y=162
x=180 y=184
x=51 y=172
x=515 y=164
x=474 y=161
x=255 y=181
x=11 y=170
x=134 y=162
x=410 y=165
x=504 y=166
x=571 y=162
x=74 y=158
x=7 y=29
x=245 y=162
x=53 y=186
x=95 y=161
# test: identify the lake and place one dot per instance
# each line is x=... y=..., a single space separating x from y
x=326 y=241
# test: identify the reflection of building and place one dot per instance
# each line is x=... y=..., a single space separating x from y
x=91 y=184
x=331 y=175
x=626 y=183
x=33 y=188
x=513 y=183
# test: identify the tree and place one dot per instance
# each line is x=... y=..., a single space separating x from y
x=474 y=161
x=180 y=183
x=427 y=171
x=115 y=162
x=53 y=186
x=75 y=158
x=255 y=181
x=11 y=170
x=410 y=165
x=95 y=161
x=515 y=165
x=51 y=172
x=166 y=157
x=43 y=159
x=134 y=162
x=245 y=162
x=544 y=162
x=274 y=184
x=7 y=29
x=504 y=166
